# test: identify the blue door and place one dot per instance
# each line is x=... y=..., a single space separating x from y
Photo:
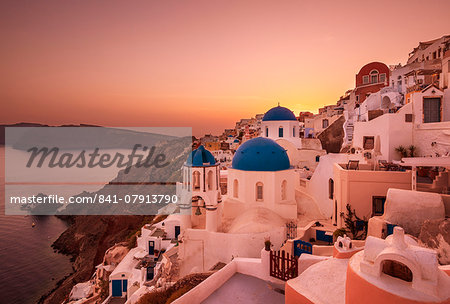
x=302 y=247
x=116 y=288
x=390 y=228
x=124 y=285
x=177 y=231
x=324 y=236
x=151 y=247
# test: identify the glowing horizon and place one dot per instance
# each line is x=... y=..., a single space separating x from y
x=204 y=64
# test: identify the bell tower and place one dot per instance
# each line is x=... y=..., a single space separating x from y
x=200 y=191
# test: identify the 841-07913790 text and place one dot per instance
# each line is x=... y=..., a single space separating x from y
x=96 y=199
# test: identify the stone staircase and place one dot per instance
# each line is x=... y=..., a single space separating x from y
x=349 y=128
x=440 y=184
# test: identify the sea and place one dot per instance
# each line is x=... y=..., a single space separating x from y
x=29 y=267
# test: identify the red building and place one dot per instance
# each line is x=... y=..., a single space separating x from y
x=370 y=79
x=301 y=117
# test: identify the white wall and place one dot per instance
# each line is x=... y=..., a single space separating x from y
x=200 y=249
x=392 y=130
x=318 y=184
x=431 y=138
x=274 y=125
x=272 y=198
x=300 y=158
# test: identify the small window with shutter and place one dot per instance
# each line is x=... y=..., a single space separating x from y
x=408 y=117
x=368 y=142
x=431 y=110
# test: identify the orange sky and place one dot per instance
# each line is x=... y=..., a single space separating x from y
x=203 y=64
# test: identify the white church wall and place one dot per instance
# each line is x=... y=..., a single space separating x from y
x=272 y=192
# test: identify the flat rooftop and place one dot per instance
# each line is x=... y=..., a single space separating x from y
x=241 y=288
x=158 y=232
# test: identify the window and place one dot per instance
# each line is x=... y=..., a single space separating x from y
x=196 y=180
x=267 y=132
x=431 y=110
x=259 y=191
x=382 y=77
x=317 y=158
x=293 y=132
x=280 y=132
x=378 y=205
x=283 y=190
x=330 y=188
x=408 y=117
x=357 y=98
x=210 y=180
x=368 y=142
x=365 y=79
x=235 y=188
x=373 y=76
x=325 y=123
x=397 y=270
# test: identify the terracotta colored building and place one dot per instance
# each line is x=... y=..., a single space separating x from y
x=301 y=117
x=370 y=79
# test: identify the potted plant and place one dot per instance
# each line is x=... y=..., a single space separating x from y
x=402 y=151
x=412 y=151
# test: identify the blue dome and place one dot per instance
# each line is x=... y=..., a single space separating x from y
x=200 y=157
x=236 y=140
x=260 y=154
x=279 y=113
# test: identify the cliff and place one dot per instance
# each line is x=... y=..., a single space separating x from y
x=89 y=236
x=87 y=240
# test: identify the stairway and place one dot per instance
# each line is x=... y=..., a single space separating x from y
x=439 y=184
x=349 y=128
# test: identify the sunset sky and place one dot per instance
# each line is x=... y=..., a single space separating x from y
x=204 y=64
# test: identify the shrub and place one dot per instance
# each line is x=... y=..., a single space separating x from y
x=402 y=151
x=177 y=293
x=104 y=289
x=339 y=232
x=132 y=241
x=155 y=297
x=350 y=220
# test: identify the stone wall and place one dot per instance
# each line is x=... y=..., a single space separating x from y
x=333 y=136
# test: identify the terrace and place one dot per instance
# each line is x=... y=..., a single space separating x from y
x=241 y=288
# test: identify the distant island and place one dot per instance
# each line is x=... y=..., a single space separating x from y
x=104 y=137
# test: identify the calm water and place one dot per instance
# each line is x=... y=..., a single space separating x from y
x=28 y=266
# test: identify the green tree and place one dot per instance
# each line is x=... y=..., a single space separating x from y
x=353 y=222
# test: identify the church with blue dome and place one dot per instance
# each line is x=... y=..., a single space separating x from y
x=279 y=114
x=260 y=154
x=281 y=125
x=200 y=157
x=261 y=176
x=200 y=190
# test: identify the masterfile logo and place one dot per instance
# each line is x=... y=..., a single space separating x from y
x=94 y=170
